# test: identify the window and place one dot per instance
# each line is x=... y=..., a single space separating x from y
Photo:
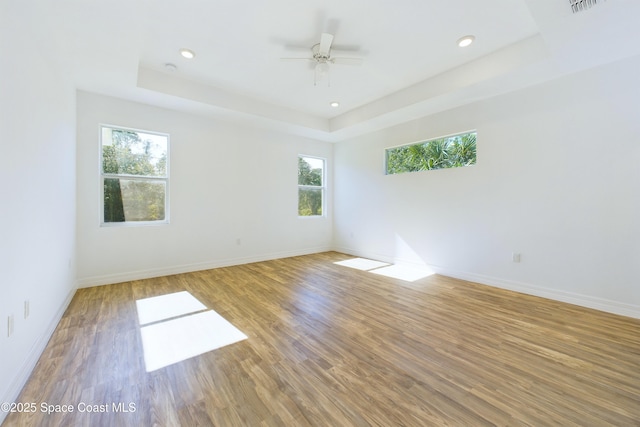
x=134 y=175
x=448 y=152
x=310 y=186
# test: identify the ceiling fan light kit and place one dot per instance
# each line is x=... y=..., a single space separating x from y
x=321 y=55
x=321 y=72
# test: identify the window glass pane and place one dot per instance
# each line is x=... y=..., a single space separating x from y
x=309 y=201
x=133 y=200
x=450 y=152
x=310 y=171
x=134 y=153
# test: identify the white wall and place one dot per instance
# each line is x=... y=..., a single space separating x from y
x=227 y=182
x=37 y=195
x=557 y=180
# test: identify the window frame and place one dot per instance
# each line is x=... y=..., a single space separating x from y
x=322 y=188
x=142 y=178
x=385 y=161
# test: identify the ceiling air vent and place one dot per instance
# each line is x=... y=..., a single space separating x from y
x=580 y=5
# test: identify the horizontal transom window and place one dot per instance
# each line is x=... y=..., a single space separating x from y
x=440 y=153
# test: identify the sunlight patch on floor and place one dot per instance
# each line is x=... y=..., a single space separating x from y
x=402 y=272
x=361 y=264
x=177 y=334
x=167 y=306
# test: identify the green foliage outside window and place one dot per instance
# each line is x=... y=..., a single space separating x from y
x=310 y=186
x=134 y=169
x=449 y=152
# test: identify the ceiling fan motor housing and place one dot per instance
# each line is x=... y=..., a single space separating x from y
x=321 y=58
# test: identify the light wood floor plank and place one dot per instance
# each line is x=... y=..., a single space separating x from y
x=333 y=346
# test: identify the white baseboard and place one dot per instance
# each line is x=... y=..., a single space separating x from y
x=33 y=356
x=601 y=304
x=582 y=300
x=87 y=282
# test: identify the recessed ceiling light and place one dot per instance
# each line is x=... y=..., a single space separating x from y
x=335 y=104
x=189 y=54
x=466 y=41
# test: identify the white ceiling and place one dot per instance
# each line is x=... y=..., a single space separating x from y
x=412 y=65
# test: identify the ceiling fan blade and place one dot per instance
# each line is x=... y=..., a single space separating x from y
x=325 y=44
x=297 y=59
x=347 y=61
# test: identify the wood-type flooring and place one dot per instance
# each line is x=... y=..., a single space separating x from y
x=334 y=346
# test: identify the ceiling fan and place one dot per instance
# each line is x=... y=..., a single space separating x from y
x=321 y=58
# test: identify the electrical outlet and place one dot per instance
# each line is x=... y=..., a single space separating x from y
x=10 y=325
x=27 y=309
x=515 y=257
